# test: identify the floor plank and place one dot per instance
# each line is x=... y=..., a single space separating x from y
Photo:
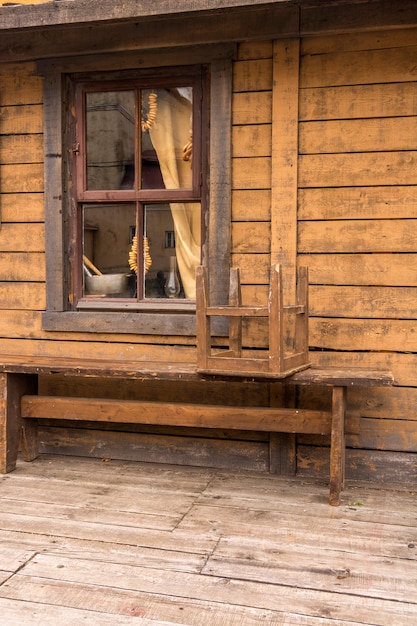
x=90 y=542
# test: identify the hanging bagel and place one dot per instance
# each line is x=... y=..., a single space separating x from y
x=133 y=255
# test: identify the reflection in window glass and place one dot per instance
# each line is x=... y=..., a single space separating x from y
x=172 y=273
x=110 y=120
x=166 y=138
x=107 y=241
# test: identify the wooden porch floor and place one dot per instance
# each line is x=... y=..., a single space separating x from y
x=105 y=543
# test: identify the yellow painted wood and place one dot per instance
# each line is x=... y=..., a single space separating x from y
x=363 y=302
x=359 y=67
x=21 y=178
x=394 y=134
x=347 y=170
x=22 y=207
x=21 y=266
x=22 y=119
x=252 y=107
x=358 y=101
x=20 y=324
x=252 y=75
x=251 y=205
x=254 y=50
x=251 y=173
x=251 y=141
x=251 y=237
x=20 y=85
x=358 y=236
x=372 y=40
x=26 y=296
x=361 y=269
x=21 y=149
x=357 y=334
x=358 y=203
x=284 y=162
x=254 y=268
x=22 y=238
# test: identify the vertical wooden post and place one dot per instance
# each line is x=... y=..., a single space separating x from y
x=12 y=388
x=337 y=445
x=283 y=446
x=284 y=183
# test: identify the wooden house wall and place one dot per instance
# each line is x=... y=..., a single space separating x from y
x=323 y=175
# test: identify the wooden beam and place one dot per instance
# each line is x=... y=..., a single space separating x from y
x=176 y=414
x=284 y=190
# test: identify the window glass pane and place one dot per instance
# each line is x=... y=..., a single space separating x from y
x=166 y=138
x=110 y=138
x=107 y=238
x=173 y=233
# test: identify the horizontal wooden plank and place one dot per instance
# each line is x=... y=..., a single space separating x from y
x=251 y=237
x=22 y=178
x=395 y=65
x=21 y=149
x=370 y=135
x=349 y=170
x=386 y=434
x=357 y=203
x=363 y=302
x=27 y=296
x=360 y=40
x=357 y=334
x=252 y=107
x=251 y=205
x=19 y=237
x=22 y=266
x=357 y=236
x=22 y=207
x=340 y=17
x=251 y=173
x=373 y=465
x=361 y=269
x=254 y=75
x=358 y=101
x=156 y=448
x=403 y=366
x=254 y=268
x=164 y=413
x=251 y=141
x=20 y=85
x=254 y=50
x=21 y=119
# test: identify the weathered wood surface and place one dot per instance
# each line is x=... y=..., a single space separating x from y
x=88 y=541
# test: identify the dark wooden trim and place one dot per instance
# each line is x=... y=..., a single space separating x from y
x=217 y=255
x=216 y=249
x=53 y=194
x=120 y=322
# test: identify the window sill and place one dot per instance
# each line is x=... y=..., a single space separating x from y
x=120 y=322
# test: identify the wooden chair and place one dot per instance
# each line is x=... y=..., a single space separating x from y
x=282 y=358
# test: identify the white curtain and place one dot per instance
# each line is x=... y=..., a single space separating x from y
x=169 y=133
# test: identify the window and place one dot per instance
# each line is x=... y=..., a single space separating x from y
x=137 y=184
x=138 y=165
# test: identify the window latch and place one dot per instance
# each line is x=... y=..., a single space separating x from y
x=75 y=148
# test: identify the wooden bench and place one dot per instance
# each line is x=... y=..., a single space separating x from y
x=21 y=406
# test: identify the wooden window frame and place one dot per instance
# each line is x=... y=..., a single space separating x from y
x=178 y=319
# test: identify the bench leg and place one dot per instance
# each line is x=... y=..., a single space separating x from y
x=30 y=443
x=337 y=445
x=12 y=388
